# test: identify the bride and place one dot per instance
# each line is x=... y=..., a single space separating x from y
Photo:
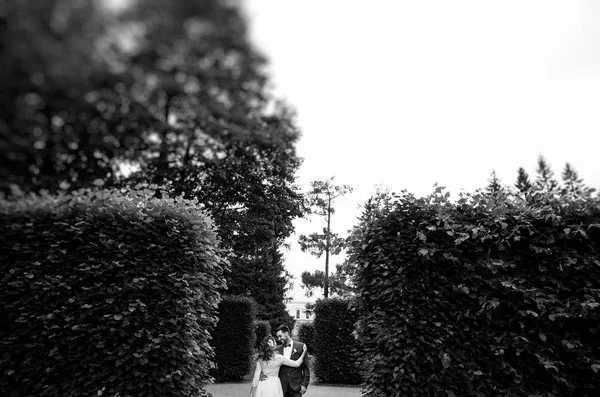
x=269 y=361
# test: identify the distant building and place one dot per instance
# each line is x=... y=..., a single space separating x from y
x=297 y=309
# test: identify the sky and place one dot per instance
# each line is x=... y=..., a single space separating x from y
x=407 y=94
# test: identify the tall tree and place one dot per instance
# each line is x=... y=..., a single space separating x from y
x=320 y=200
x=172 y=89
x=545 y=182
x=338 y=282
x=572 y=185
x=494 y=188
x=229 y=144
x=64 y=116
x=523 y=184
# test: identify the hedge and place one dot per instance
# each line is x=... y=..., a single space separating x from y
x=479 y=298
x=105 y=293
x=335 y=348
x=306 y=334
x=234 y=338
x=262 y=329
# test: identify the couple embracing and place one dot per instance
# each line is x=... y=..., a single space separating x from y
x=281 y=371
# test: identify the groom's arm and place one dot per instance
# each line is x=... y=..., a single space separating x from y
x=305 y=371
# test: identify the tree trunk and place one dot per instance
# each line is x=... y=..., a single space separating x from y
x=327 y=240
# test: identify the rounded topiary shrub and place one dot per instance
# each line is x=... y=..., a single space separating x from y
x=106 y=294
x=335 y=348
x=234 y=338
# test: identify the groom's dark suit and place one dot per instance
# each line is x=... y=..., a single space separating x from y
x=292 y=378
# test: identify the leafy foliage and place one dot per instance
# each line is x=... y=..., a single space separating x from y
x=335 y=348
x=544 y=181
x=495 y=190
x=104 y=293
x=320 y=200
x=165 y=93
x=318 y=244
x=234 y=338
x=262 y=330
x=479 y=296
x=573 y=185
x=66 y=114
x=264 y=281
x=523 y=184
x=306 y=334
x=339 y=282
x=546 y=189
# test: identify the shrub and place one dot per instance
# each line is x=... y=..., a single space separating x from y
x=479 y=297
x=234 y=338
x=103 y=292
x=276 y=318
x=306 y=334
x=262 y=329
x=334 y=343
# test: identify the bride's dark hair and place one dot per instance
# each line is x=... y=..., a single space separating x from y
x=265 y=351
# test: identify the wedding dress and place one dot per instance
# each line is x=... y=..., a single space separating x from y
x=271 y=387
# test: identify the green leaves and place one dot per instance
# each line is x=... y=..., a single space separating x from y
x=500 y=287
x=179 y=103
x=335 y=349
x=262 y=329
x=234 y=338
x=320 y=201
x=91 y=283
x=338 y=282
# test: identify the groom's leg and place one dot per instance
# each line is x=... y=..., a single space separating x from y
x=292 y=393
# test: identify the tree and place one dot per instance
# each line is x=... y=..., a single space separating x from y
x=265 y=281
x=545 y=182
x=231 y=146
x=338 y=282
x=573 y=186
x=378 y=205
x=63 y=120
x=547 y=190
x=171 y=90
x=320 y=201
x=523 y=184
x=494 y=189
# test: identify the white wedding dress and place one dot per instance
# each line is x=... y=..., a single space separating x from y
x=271 y=387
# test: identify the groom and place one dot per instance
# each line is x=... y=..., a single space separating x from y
x=294 y=381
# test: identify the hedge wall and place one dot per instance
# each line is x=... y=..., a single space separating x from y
x=479 y=298
x=106 y=294
x=335 y=348
x=262 y=329
x=234 y=338
x=306 y=334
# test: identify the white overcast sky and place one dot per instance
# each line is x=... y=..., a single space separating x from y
x=409 y=93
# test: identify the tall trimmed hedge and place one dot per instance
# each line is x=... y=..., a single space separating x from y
x=262 y=329
x=106 y=294
x=306 y=334
x=335 y=348
x=234 y=338
x=479 y=298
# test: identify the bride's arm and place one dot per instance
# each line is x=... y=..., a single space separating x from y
x=255 y=379
x=298 y=362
